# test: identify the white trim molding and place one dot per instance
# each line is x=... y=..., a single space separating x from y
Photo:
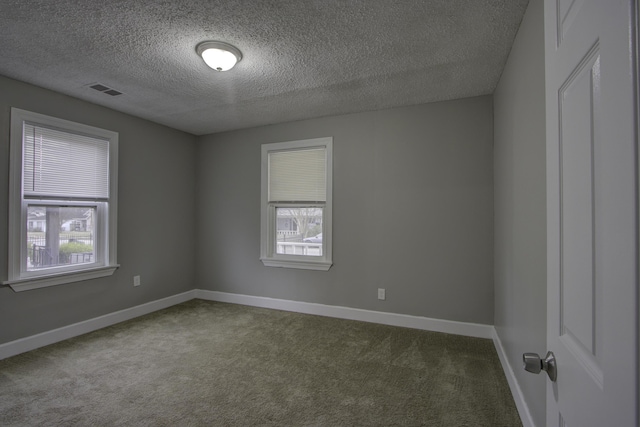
x=476 y=330
x=60 y=279
x=516 y=391
x=23 y=345
x=33 y=342
x=393 y=319
x=56 y=193
x=268 y=208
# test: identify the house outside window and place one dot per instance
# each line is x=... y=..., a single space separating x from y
x=296 y=211
x=63 y=201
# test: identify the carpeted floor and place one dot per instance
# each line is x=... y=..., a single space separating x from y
x=214 y=364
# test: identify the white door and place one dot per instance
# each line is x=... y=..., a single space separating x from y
x=592 y=222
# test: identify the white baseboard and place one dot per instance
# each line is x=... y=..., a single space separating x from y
x=516 y=391
x=393 y=319
x=22 y=345
x=416 y=322
x=56 y=335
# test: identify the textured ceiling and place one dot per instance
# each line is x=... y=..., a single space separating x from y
x=302 y=58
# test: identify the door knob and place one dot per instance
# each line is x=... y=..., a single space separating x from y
x=533 y=363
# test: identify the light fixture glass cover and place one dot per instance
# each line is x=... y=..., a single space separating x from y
x=218 y=55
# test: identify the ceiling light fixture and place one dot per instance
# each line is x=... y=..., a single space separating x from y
x=218 y=55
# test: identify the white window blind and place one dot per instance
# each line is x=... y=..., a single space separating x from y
x=298 y=176
x=62 y=164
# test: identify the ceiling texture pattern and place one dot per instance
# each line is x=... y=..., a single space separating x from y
x=301 y=58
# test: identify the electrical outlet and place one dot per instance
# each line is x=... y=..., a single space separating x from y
x=381 y=294
x=136 y=280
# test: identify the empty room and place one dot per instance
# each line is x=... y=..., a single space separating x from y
x=319 y=213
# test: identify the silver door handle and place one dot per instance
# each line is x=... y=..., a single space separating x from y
x=533 y=363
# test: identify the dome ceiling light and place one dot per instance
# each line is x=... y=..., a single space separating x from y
x=218 y=55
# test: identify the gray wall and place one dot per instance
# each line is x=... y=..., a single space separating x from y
x=520 y=205
x=156 y=216
x=413 y=212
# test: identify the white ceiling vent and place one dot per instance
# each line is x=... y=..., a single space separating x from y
x=104 y=89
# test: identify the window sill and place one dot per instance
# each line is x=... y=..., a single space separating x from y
x=301 y=265
x=29 y=283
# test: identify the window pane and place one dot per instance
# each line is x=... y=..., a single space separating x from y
x=299 y=231
x=58 y=236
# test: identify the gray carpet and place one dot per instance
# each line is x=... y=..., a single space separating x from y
x=207 y=363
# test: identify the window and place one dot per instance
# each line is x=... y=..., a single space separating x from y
x=296 y=204
x=62 y=201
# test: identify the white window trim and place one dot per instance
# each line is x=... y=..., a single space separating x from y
x=19 y=279
x=268 y=254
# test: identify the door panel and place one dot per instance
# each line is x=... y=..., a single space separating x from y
x=566 y=12
x=579 y=290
